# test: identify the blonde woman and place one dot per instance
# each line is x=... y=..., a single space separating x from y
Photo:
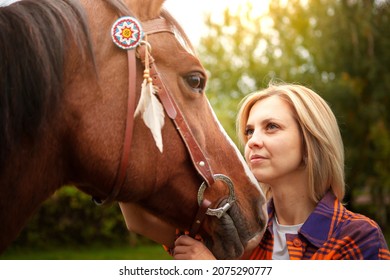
x=294 y=148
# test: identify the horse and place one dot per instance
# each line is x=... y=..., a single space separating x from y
x=68 y=94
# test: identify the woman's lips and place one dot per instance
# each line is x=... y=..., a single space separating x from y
x=257 y=158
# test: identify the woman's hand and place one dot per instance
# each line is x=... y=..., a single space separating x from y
x=187 y=248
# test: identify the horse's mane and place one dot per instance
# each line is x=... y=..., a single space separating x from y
x=34 y=37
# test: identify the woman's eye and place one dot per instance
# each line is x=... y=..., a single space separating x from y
x=196 y=81
x=248 y=132
x=272 y=126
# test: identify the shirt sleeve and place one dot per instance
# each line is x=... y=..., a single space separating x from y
x=362 y=238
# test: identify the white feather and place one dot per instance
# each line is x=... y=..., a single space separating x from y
x=152 y=112
x=143 y=100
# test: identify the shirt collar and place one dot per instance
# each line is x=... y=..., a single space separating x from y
x=320 y=224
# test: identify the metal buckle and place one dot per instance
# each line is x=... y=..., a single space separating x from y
x=218 y=212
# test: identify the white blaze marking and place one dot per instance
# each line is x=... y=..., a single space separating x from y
x=248 y=172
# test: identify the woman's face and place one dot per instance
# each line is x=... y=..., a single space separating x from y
x=274 y=144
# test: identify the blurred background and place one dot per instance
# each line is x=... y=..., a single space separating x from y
x=339 y=48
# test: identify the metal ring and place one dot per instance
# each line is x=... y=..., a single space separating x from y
x=143 y=43
x=218 y=212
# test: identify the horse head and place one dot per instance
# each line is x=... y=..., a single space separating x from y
x=174 y=189
x=83 y=139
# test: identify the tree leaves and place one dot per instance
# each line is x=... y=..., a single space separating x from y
x=340 y=49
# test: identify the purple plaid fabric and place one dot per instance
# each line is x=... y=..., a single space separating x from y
x=330 y=233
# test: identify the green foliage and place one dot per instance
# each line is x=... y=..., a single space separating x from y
x=94 y=252
x=339 y=48
x=231 y=52
x=70 y=218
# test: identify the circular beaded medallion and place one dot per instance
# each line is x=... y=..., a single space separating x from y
x=127 y=33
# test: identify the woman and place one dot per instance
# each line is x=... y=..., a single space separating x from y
x=294 y=148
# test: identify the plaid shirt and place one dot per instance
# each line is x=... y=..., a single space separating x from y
x=330 y=233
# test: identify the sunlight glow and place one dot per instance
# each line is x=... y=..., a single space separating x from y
x=191 y=15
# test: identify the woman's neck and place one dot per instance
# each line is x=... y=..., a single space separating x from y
x=292 y=202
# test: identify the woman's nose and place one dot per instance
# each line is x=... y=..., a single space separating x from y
x=256 y=140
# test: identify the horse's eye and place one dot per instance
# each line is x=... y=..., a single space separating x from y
x=196 y=81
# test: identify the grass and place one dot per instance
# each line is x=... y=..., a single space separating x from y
x=98 y=252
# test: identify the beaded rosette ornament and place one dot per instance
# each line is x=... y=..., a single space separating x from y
x=127 y=34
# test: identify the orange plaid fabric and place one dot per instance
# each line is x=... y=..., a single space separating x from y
x=330 y=233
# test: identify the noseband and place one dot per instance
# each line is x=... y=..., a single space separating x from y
x=171 y=108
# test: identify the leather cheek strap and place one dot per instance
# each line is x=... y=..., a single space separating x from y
x=200 y=215
x=199 y=160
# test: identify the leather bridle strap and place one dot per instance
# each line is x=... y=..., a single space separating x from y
x=131 y=96
x=157 y=25
x=199 y=160
x=199 y=217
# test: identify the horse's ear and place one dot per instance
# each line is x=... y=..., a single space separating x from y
x=146 y=9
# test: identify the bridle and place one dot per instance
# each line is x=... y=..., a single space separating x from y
x=171 y=108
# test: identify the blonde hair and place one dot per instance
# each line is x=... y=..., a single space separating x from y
x=322 y=140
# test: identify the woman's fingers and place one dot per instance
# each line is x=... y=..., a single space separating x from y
x=187 y=248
